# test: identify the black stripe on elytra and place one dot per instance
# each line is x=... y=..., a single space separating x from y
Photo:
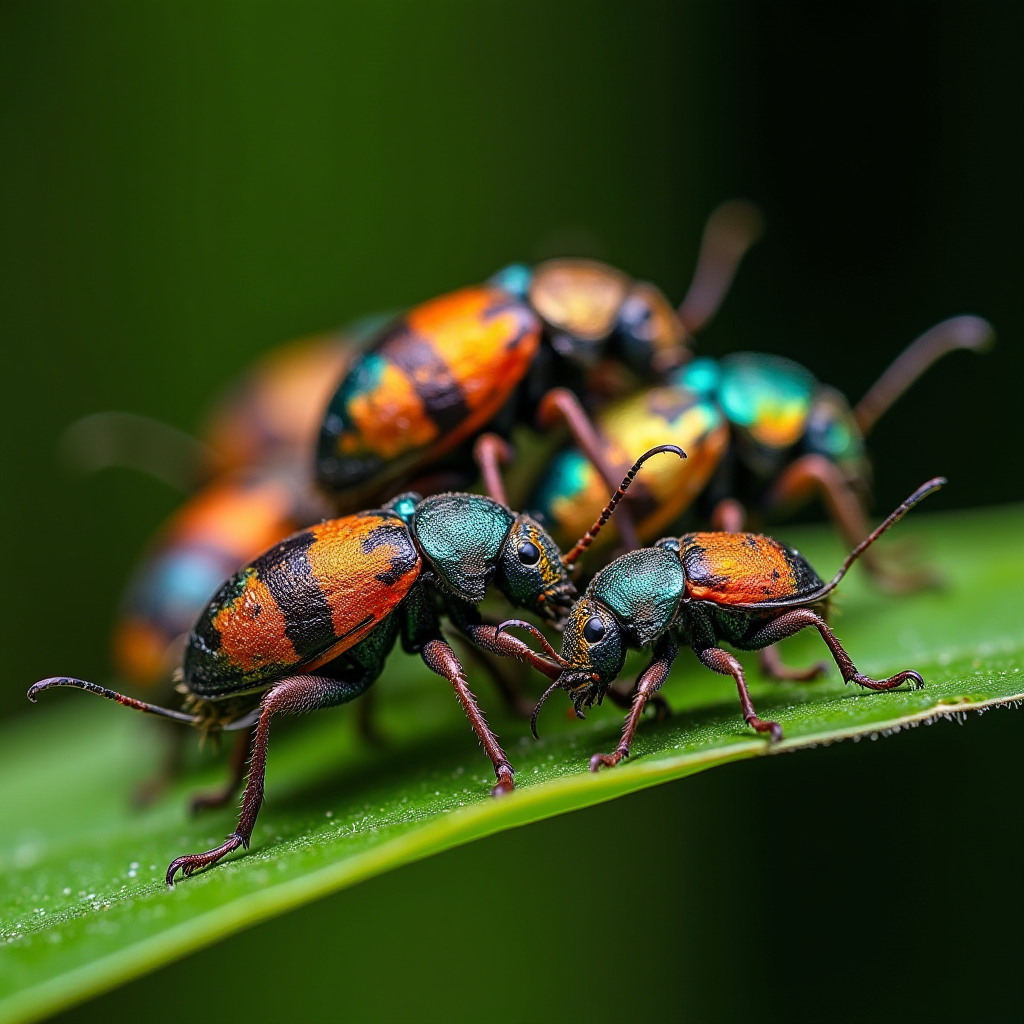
x=204 y=633
x=527 y=322
x=286 y=571
x=429 y=375
x=805 y=579
x=697 y=570
x=395 y=534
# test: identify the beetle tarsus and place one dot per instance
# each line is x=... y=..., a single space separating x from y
x=193 y=862
x=773 y=729
x=888 y=684
x=506 y=781
x=607 y=760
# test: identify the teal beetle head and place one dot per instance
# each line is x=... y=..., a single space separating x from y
x=593 y=653
x=630 y=603
x=471 y=541
x=531 y=573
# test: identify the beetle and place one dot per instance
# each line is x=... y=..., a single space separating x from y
x=699 y=590
x=489 y=354
x=761 y=433
x=309 y=623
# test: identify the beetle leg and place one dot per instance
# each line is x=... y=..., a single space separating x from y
x=725 y=664
x=967 y=332
x=440 y=658
x=490 y=453
x=800 y=618
x=562 y=404
x=815 y=474
x=224 y=795
x=773 y=667
x=487 y=638
x=366 y=723
x=646 y=687
x=511 y=692
x=730 y=231
x=294 y=695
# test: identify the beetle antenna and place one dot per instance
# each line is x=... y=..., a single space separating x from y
x=894 y=517
x=730 y=231
x=530 y=628
x=536 y=711
x=129 y=702
x=966 y=332
x=587 y=539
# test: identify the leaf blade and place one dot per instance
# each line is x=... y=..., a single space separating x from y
x=424 y=795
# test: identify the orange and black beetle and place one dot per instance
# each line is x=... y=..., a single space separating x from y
x=309 y=623
x=700 y=590
x=490 y=354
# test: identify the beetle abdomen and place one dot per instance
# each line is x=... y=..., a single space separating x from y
x=743 y=568
x=429 y=381
x=302 y=603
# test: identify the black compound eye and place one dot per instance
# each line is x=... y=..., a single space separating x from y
x=593 y=629
x=529 y=554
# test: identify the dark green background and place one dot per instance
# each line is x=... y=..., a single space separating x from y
x=185 y=185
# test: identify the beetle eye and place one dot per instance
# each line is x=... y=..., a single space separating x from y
x=593 y=630
x=529 y=554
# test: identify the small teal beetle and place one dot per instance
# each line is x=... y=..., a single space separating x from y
x=698 y=591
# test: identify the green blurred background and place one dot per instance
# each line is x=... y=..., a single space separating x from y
x=186 y=185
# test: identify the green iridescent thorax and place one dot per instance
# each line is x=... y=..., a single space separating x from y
x=701 y=375
x=461 y=536
x=767 y=396
x=514 y=279
x=643 y=588
x=531 y=573
x=589 y=652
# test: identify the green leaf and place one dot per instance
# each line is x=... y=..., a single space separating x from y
x=82 y=901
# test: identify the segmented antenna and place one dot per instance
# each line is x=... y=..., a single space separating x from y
x=919 y=495
x=587 y=539
x=102 y=691
x=730 y=231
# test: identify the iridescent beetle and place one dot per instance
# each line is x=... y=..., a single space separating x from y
x=698 y=591
x=761 y=434
x=489 y=355
x=309 y=623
